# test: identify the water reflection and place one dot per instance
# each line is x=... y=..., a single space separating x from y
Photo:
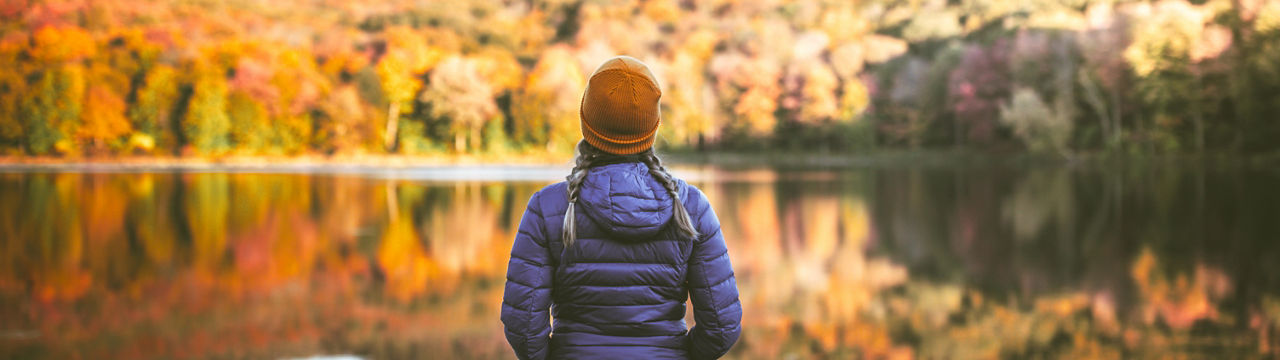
x=874 y=263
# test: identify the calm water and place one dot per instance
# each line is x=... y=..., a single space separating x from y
x=898 y=262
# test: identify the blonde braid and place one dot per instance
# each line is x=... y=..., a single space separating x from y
x=684 y=223
x=586 y=155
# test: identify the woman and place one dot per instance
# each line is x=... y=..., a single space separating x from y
x=613 y=252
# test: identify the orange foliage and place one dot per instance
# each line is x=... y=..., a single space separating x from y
x=408 y=269
x=1180 y=301
x=103 y=115
x=59 y=44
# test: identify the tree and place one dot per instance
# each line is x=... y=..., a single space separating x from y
x=545 y=112
x=347 y=125
x=976 y=87
x=301 y=87
x=13 y=91
x=1166 y=52
x=250 y=123
x=52 y=112
x=408 y=56
x=460 y=96
x=688 y=102
x=103 y=116
x=756 y=77
x=400 y=87
x=906 y=91
x=1256 y=89
x=53 y=45
x=1103 y=75
x=808 y=83
x=1040 y=127
x=206 y=123
x=152 y=111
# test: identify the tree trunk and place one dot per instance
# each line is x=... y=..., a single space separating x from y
x=1094 y=99
x=393 y=121
x=1241 y=97
x=1117 y=110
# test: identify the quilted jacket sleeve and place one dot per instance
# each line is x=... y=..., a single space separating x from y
x=526 y=300
x=712 y=288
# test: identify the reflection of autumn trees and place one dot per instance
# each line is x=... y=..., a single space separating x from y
x=918 y=262
x=1061 y=237
x=268 y=264
x=806 y=278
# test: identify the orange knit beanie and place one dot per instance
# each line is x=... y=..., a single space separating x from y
x=620 y=107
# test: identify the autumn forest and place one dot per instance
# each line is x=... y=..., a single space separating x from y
x=288 y=77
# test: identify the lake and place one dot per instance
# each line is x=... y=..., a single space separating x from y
x=903 y=261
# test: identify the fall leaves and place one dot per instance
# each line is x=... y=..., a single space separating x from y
x=497 y=78
x=475 y=77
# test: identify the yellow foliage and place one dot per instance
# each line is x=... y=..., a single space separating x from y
x=843 y=24
x=1268 y=19
x=398 y=82
x=701 y=44
x=551 y=97
x=853 y=100
x=662 y=10
x=345 y=60
x=819 y=102
x=69 y=82
x=414 y=49
x=688 y=110
x=500 y=69
x=154 y=103
x=300 y=83
x=880 y=48
x=1172 y=31
x=301 y=86
x=206 y=122
x=756 y=108
x=143 y=142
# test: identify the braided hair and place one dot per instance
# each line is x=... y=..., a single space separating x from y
x=589 y=156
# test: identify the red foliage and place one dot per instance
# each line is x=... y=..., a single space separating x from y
x=977 y=86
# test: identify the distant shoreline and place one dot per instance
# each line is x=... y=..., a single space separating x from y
x=361 y=163
x=251 y=162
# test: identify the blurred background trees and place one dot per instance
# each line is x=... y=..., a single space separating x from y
x=248 y=77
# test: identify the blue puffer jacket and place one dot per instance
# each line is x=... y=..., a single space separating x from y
x=619 y=291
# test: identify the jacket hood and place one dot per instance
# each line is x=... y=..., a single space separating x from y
x=625 y=200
